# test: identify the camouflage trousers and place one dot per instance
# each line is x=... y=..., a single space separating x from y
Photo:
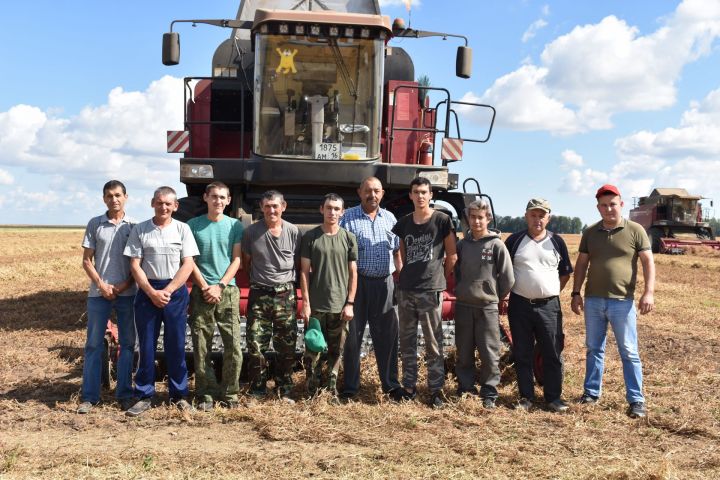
x=335 y=330
x=424 y=308
x=203 y=318
x=271 y=315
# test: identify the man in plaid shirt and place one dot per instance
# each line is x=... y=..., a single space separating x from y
x=378 y=258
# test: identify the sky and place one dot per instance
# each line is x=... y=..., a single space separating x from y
x=586 y=93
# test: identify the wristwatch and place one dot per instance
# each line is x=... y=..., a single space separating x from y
x=575 y=294
x=222 y=285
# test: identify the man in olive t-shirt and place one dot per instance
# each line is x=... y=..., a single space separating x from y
x=612 y=247
x=328 y=279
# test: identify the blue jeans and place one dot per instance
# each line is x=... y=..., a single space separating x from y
x=98 y=313
x=622 y=316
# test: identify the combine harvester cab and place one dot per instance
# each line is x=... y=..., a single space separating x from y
x=308 y=97
x=675 y=221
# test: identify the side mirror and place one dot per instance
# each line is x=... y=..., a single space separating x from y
x=463 y=62
x=171 y=48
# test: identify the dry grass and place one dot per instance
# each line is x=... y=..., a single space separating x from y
x=42 y=289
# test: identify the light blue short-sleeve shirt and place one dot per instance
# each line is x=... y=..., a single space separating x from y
x=108 y=241
x=161 y=249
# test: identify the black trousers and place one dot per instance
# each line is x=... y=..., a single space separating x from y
x=542 y=323
x=373 y=306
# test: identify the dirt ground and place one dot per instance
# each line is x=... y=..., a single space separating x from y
x=42 y=294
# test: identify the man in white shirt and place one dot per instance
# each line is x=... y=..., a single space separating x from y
x=542 y=267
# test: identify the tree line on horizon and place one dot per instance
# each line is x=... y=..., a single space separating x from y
x=557 y=224
x=561 y=224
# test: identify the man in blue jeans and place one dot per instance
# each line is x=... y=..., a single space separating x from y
x=111 y=288
x=611 y=248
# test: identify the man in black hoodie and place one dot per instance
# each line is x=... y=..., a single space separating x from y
x=542 y=268
x=484 y=275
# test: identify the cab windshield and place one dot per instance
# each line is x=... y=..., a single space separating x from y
x=317 y=97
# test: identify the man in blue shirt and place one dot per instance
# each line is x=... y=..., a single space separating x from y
x=378 y=258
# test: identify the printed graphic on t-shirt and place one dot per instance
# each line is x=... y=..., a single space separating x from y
x=486 y=254
x=418 y=249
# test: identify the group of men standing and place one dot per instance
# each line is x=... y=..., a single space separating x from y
x=346 y=268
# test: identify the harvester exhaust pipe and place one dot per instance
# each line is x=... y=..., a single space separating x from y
x=463 y=62
x=171 y=48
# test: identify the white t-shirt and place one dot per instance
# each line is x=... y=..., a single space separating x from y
x=536 y=269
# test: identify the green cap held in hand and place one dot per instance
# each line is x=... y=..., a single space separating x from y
x=314 y=339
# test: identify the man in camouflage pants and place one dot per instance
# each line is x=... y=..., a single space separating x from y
x=328 y=278
x=270 y=252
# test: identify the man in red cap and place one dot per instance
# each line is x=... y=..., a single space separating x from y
x=611 y=248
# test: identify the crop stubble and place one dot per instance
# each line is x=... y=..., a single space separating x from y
x=42 y=292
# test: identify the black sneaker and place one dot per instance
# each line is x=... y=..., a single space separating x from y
x=524 y=404
x=257 y=394
x=400 y=395
x=558 y=406
x=230 y=404
x=351 y=396
x=467 y=391
x=436 y=400
x=140 y=407
x=489 y=402
x=182 y=405
x=637 y=410
x=588 y=399
x=127 y=403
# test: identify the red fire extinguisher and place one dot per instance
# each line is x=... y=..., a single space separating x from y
x=425 y=152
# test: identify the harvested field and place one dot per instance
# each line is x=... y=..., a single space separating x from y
x=42 y=292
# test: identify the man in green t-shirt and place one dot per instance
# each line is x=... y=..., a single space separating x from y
x=328 y=279
x=215 y=299
x=611 y=249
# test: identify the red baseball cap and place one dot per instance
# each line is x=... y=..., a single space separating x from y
x=607 y=189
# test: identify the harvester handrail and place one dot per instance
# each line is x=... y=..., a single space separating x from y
x=458 y=102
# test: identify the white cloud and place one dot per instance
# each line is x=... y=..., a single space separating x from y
x=687 y=156
x=523 y=102
x=6 y=178
x=124 y=139
x=598 y=70
x=571 y=159
x=533 y=29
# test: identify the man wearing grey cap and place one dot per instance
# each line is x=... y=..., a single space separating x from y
x=541 y=266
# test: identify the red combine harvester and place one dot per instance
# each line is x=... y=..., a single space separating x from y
x=674 y=220
x=310 y=97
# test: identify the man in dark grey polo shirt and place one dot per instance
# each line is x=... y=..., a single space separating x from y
x=270 y=251
x=111 y=288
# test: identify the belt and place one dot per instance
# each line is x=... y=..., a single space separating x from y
x=272 y=291
x=535 y=301
x=371 y=277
